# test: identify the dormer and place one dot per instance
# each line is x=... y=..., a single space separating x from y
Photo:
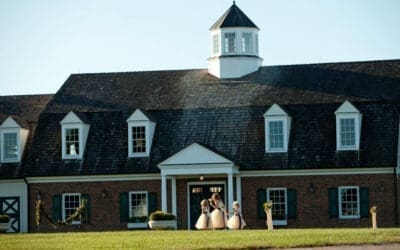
x=277 y=129
x=74 y=134
x=234 y=45
x=348 y=127
x=140 y=134
x=13 y=137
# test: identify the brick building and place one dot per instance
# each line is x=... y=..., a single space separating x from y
x=319 y=140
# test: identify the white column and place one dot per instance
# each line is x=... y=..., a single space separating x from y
x=239 y=189
x=173 y=194
x=164 y=193
x=230 y=192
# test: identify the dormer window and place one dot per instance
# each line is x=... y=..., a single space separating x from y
x=229 y=42
x=74 y=133
x=277 y=129
x=140 y=134
x=348 y=127
x=13 y=136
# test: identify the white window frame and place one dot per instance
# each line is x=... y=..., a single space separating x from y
x=268 y=130
x=138 y=224
x=356 y=119
x=10 y=131
x=147 y=138
x=226 y=43
x=248 y=45
x=341 y=216
x=215 y=41
x=64 y=142
x=279 y=222
x=63 y=206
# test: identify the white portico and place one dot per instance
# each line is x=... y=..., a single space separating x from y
x=194 y=161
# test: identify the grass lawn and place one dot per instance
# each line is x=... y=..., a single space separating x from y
x=245 y=239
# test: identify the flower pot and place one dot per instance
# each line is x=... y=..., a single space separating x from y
x=4 y=226
x=163 y=224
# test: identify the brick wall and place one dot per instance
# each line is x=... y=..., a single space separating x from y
x=313 y=208
x=104 y=212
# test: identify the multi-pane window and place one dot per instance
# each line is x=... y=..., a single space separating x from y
x=138 y=204
x=139 y=139
x=247 y=42
x=215 y=43
x=70 y=202
x=72 y=141
x=10 y=146
x=276 y=136
x=347 y=132
x=229 y=42
x=279 y=200
x=349 y=202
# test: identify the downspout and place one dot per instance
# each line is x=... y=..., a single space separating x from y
x=397 y=173
x=28 y=205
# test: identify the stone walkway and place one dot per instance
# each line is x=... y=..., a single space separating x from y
x=348 y=247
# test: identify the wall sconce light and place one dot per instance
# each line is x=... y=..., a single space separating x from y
x=38 y=196
x=104 y=193
x=311 y=188
x=201 y=178
x=382 y=187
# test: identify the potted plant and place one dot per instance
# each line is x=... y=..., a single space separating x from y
x=162 y=220
x=137 y=222
x=4 y=222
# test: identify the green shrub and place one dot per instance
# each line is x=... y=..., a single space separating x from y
x=160 y=215
x=4 y=218
x=136 y=219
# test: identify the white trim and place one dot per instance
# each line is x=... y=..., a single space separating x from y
x=93 y=178
x=201 y=183
x=341 y=216
x=276 y=114
x=15 y=131
x=130 y=202
x=311 y=172
x=348 y=111
x=63 y=206
x=173 y=195
x=130 y=139
x=279 y=222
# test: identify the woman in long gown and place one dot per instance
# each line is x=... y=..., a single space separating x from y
x=203 y=223
x=236 y=221
x=218 y=215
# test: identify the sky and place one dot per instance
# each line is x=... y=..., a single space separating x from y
x=42 y=42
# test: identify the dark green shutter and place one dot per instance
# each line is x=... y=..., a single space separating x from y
x=261 y=199
x=333 y=203
x=364 y=202
x=124 y=207
x=86 y=216
x=152 y=198
x=292 y=203
x=57 y=207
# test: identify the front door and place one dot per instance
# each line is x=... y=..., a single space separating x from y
x=198 y=192
x=10 y=206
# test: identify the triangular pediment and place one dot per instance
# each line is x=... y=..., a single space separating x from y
x=347 y=107
x=10 y=123
x=71 y=117
x=138 y=115
x=195 y=154
x=275 y=110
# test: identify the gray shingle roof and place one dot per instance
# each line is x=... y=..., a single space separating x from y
x=25 y=110
x=233 y=17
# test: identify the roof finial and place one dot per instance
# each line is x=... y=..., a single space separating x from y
x=234 y=2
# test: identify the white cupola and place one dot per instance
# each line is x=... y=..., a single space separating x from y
x=234 y=45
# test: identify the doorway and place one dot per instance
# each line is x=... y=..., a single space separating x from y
x=199 y=191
